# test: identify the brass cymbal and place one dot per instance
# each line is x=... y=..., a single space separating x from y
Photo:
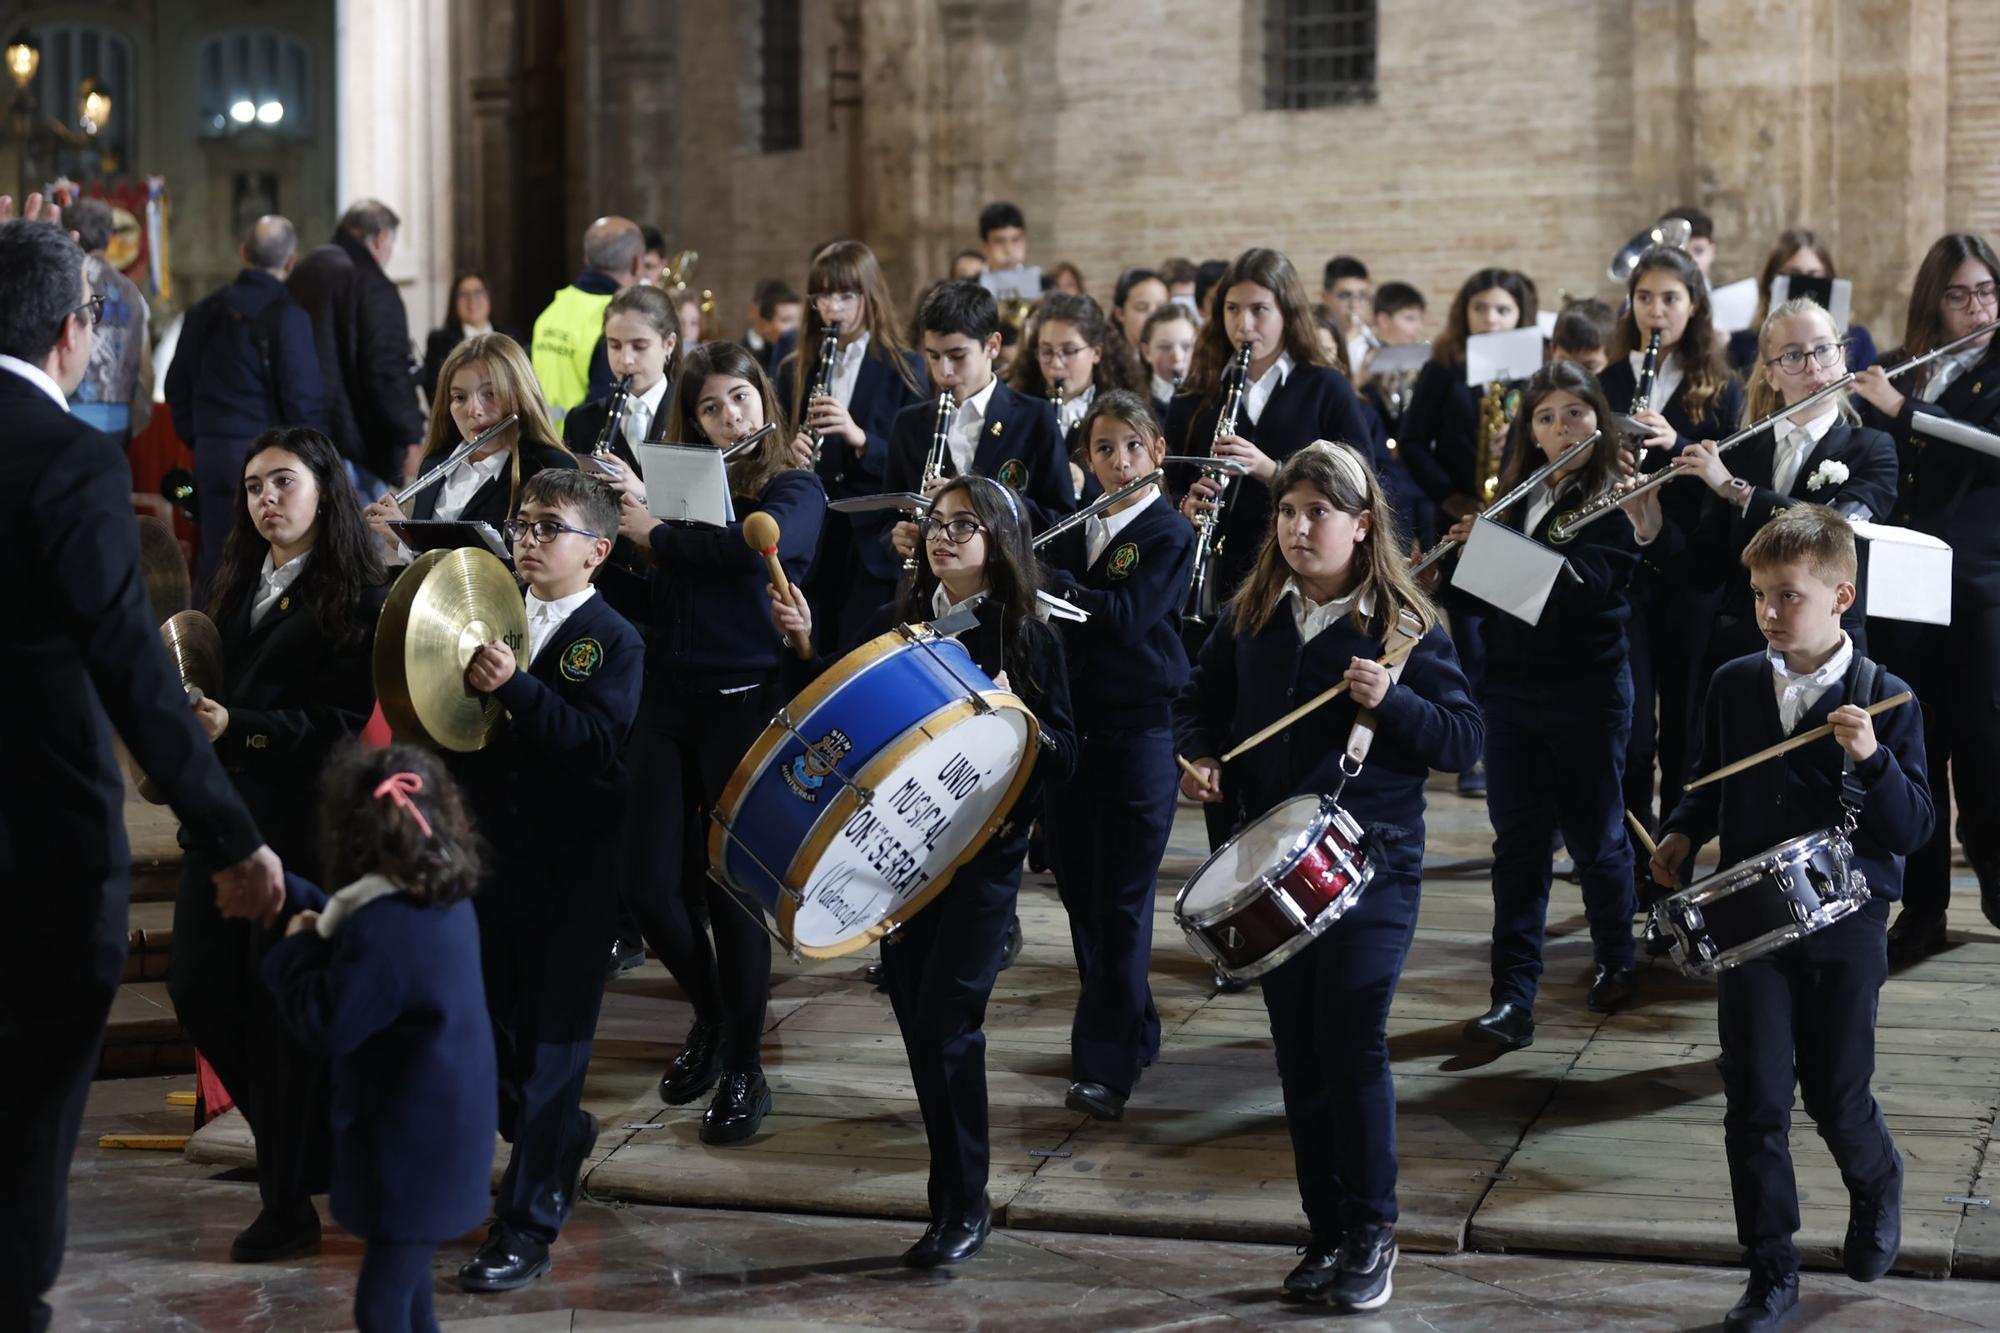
x=445 y=605
x=195 y=646
x=163 y=567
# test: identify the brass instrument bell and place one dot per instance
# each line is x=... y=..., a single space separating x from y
x=438 y=614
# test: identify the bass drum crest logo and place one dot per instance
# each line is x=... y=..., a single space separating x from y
x=808 y=772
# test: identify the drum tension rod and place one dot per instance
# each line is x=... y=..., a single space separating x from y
x=715 y=872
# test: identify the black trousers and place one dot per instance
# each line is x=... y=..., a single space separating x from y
x=1804 y=1015
x=1107 y=831
x=939 y=969
x=1329 y=1008
x=218 y=475
x=53 y=1003
x=283 y=1088
x=684 y=746
x=1955 y=671
x=1668 y=637
x=541 y=938
x=393 y=1294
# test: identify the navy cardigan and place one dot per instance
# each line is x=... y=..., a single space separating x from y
x=1127 y=662
x=1680 y=501
x=1799 y=792
x=397 y=1000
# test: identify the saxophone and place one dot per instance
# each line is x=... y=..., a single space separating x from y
x=1496 y=413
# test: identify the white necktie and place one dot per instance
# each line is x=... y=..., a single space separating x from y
x=1793 y=445
x=637 y=419
x=1096 y=536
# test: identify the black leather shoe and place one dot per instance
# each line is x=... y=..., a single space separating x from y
x=1916 y=934
x=1767 y=1302
x=696 y=1068
x=505 y=1261
x=1095 y=1100
x=283 y=1233
x=1988 y=874
x=1314 y=1276
x=1362 y=1268
x=1229 y=985
x=1506 y=1024
x=876 y=975
x=1611 y=988
x=624 y=957
x=1874 y=1230
x=952 y=1240
x=1012 y=949
x=741 y=1103
x=572 y=1167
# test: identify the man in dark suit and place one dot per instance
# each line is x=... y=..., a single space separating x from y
x=246 y=362
x=363 y=334
x=79 y=657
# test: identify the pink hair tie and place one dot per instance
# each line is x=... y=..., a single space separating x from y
x=399 y=787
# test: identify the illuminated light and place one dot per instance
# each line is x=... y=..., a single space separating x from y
x=243 y=112
x=270 y=113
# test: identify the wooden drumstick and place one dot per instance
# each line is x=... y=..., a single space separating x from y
x=760 y=533
x=1320 y=700
x=1192 y=771
x=1639 y=832
x=1792 y=743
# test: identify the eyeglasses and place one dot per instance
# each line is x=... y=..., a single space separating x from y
x=95 y=305
x=1055 y=355
x=1824 y=355
x=958 y=530
x=543 y=530
x=1958 y=298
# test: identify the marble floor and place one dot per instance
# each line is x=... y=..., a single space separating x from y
x=150 y=1232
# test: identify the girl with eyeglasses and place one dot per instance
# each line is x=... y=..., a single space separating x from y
x=1075 y=351
x=939 y=966
x=1951 y=493
x=711 y=683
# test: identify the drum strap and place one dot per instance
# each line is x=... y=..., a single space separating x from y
x=1864 y=683
x=1407 y=629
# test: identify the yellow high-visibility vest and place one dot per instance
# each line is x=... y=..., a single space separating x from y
x=565 y=335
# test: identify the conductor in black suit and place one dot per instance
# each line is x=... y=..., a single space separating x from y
x=80 y=657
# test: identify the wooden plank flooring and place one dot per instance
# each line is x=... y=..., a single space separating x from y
x=1604 y=1137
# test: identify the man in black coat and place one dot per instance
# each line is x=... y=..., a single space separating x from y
x=363 y=335
x=246 y=362
x=79 y=657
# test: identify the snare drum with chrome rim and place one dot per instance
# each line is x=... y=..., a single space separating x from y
x=1758 y=906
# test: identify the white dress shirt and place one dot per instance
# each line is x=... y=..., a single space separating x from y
x=1795 y=444
x=36 y=376
x=1074 y=408
x=1797 y=693
x=1163 y=389
x=545 y=618
x=640 y=412
x=1258 y=392
x=455 y=492
x=942 y=605
x=273 y=583
x=965 y=428
x=1311 y=617
x=1101 y=530
x=1666 y=374
x=847 y=369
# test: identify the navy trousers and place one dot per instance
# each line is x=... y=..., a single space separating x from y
x=939 y=969
x=1329 y=1008
x=1107 y=831
x=1804 y=1015
x=393 y=1294
x=1557 y=764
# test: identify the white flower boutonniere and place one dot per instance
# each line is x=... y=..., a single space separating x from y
x=1830 y=473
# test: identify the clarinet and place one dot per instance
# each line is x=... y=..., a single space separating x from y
x=829 y=348
x=933 y=471
x=1649 y=371
x=1202 y=600
x=614 y=418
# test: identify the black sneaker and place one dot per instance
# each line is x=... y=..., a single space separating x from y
x=1874 y=1229
x=278 y=1233
x=1011 y=950
x=1472 y=782
x=624 y=957
x=1366 y=1259
x=1768 y=1301
x=1315 y=1274
x=1915 y=934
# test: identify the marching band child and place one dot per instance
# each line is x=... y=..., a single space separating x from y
x=940 y=965
x=1167 y=344
x=1329 y=581
x=640 y=341
x=383 y=977
x=711 y=675
x=1139 y=293
x=1583 y=334
x=547 y=904
x=1557 y=698
x=1805 y=1015
x=1078 y=353
x=1108 y=827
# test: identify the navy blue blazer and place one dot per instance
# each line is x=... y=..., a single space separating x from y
x=494 y=501
x=1438 y=438
x=880 y=396
x=711 y=617
x=397 y=1000
x=1127 y=661
x=1314 y=403
x=1948 y=491
x=246 y=362
x=1019 y=444
x=1799 y=792
x=1242 y=682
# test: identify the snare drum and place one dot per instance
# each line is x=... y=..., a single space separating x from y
x=1759 y=906
x=1275 y=887
x=859 y=801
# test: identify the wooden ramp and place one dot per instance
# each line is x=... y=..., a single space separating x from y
x=1602 y=1138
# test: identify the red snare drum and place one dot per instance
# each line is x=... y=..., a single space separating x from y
x=1275 y=887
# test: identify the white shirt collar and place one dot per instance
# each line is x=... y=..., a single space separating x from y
x=464 y=482
x=1258 y=392
x=974 y=408
x=850 y=354
x=847 y=369
x=272 y=583
x=1798 y=693
x=36 y=376
x=942 y=605
x=545 y=618
x=1073 y=409
x=1311 y=617
x=1163 y=389
x=1666 y=374
x=1100 y=530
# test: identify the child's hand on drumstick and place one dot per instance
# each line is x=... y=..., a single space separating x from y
x=790 y=611
x=1667 y=859
x=1854 y=730
x=1368 y=681
x=1201 y=780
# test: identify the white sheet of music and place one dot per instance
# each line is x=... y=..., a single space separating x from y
x=1508 y=571
x=1511 y=355
x=1909 y=574
x=1734 y=305
x=686 y=484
